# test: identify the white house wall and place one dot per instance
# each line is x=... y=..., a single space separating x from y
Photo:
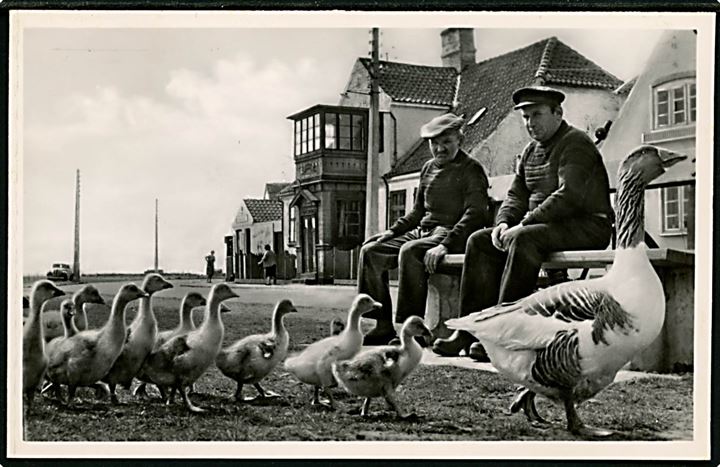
x=405 y=182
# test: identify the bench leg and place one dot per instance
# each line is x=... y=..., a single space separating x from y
x=443 y=302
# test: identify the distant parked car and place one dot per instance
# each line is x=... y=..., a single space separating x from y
x=60 y=271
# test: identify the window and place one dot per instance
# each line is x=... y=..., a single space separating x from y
x=307 y=134
x=292 y=237
x=675 y=103
x=396 y=207
x=675 y=208
x=349 y=220
x=344 y=131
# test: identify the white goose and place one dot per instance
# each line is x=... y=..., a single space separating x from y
x=139 y=340
x=190 y=301
x=183 y=359
x=314 y=364
x=35 y=361
x=67 y=312
x=86 y=357
x=567 y=342
x=253 y=357
x=377 y=372
x=53 y=320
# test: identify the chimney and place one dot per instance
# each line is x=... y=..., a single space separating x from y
x=458 y=48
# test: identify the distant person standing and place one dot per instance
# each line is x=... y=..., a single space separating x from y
x=210 y=265
x=269 y=263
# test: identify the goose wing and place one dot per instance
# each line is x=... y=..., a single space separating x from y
x=534 y=322
x=168 y=354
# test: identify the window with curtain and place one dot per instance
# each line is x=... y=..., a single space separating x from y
x=349 y=222
x=396 y=208
x=674 y=103
x=675 y=208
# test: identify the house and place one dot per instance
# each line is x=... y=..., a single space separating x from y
x=326 y=213
x=495 y=134
x=258 y=222
x=660 y=110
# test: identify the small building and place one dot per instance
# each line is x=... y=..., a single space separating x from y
x=660 y=110
x=258 y=222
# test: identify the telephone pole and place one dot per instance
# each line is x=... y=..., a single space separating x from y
x=76 y=253
x=373 y=172
x=156 y=235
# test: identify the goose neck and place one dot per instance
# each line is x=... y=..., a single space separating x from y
x=630 y=210
x=278 y=325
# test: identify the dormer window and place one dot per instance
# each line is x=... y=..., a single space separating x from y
x=674 y=103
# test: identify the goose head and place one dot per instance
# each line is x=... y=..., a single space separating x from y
x=43 y=291
x=221 y=292
x=193 y=300
x=130 y=292
x=67 y=310
x=285 y=307
x=87 y=294
x=415 y=326
x=364 y=303
x=154 y=283
x=649 y=162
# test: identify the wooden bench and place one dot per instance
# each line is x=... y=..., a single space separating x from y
x=671 y=351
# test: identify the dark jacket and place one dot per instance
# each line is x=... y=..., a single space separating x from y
x=556 y=179
x=453 y=196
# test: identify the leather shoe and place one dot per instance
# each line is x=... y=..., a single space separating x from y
x=380 y=336
x=452 y=346
x=477 y=352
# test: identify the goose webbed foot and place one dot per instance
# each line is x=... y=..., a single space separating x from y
x=192 y=408
x=577 y=427
x=526 y=401
x=328 y=403
x=102 y=391
x=141 y=391
x=264 y=393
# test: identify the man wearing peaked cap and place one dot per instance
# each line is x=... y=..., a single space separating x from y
x=532 y=95
x=451 y=203
x=558 y=200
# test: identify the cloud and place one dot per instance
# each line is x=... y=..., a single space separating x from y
x=211 y=139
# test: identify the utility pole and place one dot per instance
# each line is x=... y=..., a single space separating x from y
x=373 y=175
x=76 y=253
x=156 y=235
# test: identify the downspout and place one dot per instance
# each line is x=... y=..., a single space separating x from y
x=394 y=154
x=387 y=200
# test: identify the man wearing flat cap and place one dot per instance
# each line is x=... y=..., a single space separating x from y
x=558 y=200
x=451 y=203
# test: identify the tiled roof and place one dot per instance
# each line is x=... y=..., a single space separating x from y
x=489 y=84
x=264 y=210
x=417 y=84
x=274 y=189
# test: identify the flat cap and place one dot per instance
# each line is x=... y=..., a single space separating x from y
x=441 y=123
x=537 y=95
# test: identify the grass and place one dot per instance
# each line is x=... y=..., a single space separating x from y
x=451 y=403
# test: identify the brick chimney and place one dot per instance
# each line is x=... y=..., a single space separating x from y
x=458 y=48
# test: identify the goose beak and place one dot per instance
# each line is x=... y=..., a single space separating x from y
x=376 y=305
x=670 y=158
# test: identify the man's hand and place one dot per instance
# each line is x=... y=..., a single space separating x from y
x=381 y=237
x=433 y=257
x=507 y=235
x=497 y=235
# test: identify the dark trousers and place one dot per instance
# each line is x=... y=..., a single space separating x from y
x=491 y=276
x=406 y=252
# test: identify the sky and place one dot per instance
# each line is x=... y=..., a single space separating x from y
x=196 y=117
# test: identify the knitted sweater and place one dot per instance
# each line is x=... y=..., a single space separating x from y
x=559 y=178
x=453 y=196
